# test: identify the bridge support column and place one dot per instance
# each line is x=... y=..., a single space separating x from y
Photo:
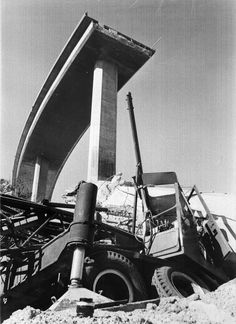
x=40 y=179
x=102 y=143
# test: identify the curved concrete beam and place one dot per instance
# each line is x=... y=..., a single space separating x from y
x=62 y=111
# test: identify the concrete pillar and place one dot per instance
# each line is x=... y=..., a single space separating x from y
x=102 y=143
x=40 y=179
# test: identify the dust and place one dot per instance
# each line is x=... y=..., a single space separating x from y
x=212 y=308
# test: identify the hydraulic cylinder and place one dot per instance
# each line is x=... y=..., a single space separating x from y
x=82 y=229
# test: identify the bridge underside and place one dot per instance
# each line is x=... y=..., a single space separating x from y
x=62 y=111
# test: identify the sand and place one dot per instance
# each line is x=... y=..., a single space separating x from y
x=212 y=308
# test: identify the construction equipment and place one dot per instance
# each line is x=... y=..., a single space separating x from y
x=172 y=230
x=171 y=250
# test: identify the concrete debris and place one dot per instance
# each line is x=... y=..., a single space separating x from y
x=106 y=189
x=212 y=308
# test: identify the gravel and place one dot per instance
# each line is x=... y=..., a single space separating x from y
x=212 y=308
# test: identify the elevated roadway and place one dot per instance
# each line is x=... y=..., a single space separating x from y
x=62 y=111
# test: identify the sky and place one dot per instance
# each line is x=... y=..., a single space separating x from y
x=184 y=96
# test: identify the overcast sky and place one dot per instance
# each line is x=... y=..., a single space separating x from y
x=184 y=96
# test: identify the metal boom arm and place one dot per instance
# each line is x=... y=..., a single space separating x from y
x=135 y=138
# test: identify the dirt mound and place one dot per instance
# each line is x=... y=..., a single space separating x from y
x=213 y=308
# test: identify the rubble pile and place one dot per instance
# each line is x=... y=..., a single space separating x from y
x=212 y=308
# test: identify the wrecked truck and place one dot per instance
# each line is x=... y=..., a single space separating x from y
x=171 y=251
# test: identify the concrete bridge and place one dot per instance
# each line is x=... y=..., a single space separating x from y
x=81 y=90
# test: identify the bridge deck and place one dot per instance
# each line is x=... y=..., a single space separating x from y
x=61 y=113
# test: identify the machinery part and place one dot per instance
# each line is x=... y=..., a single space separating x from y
x=137 y=155
x=77 y=266
x=26 y=226
x=135 y=137
x=174 y=282
x=82 y=229
x=114 y=276
x=113 y=279
x=85 y=307
x=138 y=183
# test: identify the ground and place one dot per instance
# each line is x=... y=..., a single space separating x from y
x=212 y=308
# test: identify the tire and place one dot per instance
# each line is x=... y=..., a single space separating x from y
x=113 y=275
x=174 y=282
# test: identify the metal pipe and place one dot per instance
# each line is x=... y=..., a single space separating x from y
x=77 y=266
x=70 y=206
x=135 y=135
x=139 y=171
x=135 y=211
x=37 y=230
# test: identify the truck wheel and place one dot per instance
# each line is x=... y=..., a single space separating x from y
x=113 y=275
x=172 y=282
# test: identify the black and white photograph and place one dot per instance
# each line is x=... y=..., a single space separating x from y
x=118 y=161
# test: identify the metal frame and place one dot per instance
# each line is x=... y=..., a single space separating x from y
x=26 y=223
